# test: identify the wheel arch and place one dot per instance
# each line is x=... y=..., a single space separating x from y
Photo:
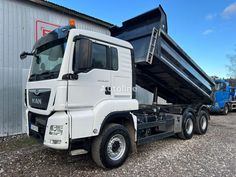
x=195 y=110
x=125 y=118
x=191 y=110
x=204 y=108
x=117 y=117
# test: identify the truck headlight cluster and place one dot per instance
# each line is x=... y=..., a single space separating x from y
x=56 y=130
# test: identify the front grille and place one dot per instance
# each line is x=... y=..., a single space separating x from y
x=41 y=122
x=39 y=98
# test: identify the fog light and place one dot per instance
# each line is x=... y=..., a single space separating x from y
x=55 y=141
x=56 y=130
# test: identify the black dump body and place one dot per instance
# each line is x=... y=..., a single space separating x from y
x=161 y=63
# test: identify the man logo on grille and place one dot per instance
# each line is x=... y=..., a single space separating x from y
x=36 y=101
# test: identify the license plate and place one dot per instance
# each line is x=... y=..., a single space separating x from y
x=34 y=127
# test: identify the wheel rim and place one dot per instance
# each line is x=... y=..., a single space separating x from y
x=203 y=122
x=226 y=109
x=116 y=147
x=189 y=126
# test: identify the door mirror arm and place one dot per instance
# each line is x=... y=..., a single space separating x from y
x=24 y=54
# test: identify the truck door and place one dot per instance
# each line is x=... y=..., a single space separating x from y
x=222 y=95
x=93 y=83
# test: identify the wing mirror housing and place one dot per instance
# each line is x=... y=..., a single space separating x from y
x=24 y=54
x=82 y=55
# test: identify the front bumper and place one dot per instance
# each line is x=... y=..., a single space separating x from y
x=39 y=127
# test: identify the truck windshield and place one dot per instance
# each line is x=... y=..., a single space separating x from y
x=47 y=60
x=220 y=86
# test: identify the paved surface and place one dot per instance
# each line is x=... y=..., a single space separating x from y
x=213 y=154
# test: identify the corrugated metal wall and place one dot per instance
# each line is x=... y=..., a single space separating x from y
x=17 y=34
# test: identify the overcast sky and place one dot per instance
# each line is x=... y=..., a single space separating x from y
x=205 y=29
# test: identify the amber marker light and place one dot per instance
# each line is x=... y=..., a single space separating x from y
x=72 y=23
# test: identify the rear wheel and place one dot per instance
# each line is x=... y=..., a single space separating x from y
x=201 y=124
x=187 y=126
x=226 y=109
x=111 y=148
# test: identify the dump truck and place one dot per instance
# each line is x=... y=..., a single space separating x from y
x=81 y=90
x=224 y=97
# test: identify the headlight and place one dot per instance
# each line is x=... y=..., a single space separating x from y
x=56 y=130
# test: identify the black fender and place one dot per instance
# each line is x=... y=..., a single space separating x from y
x=117 y=117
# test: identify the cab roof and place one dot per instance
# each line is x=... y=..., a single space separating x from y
x=102 y=38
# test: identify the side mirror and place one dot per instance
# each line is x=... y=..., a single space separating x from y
x=224 y=87
x=23 y=55
x=82 y=55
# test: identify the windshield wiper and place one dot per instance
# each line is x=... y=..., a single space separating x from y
x=48 y=74
x=33 y=77
x=44 y=75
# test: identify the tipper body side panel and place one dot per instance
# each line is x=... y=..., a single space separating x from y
x=161 y=63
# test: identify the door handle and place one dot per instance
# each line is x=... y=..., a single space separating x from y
x=107 y=90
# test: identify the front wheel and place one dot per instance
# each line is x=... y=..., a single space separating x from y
x=111 y=148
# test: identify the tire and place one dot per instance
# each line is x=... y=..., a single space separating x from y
x=226 y=109
x=111 y=148
x=230 y=108
x=201 y=124
x=187 y=126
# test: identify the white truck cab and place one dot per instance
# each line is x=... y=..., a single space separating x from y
x=77 y=79
x=80 y=77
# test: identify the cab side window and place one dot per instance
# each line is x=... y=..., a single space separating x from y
x=114 y=59
x=90 y=55
x=99 y=56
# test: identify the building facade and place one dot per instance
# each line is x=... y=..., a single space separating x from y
x=22 y=22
